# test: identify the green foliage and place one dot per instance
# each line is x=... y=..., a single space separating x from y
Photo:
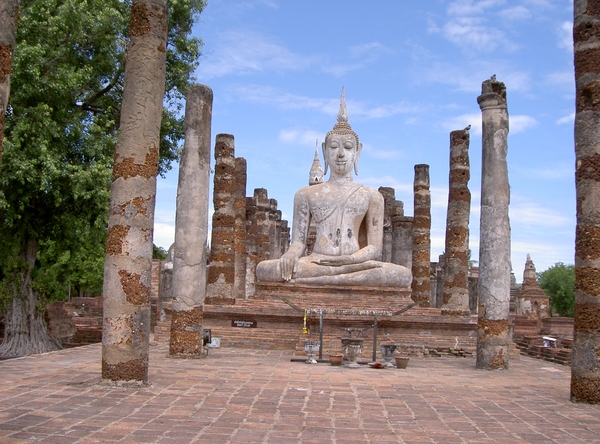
x=159 y=253
x=558 y=282
x=61 y=128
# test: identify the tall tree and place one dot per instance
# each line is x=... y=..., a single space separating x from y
x=558 y=282
x=9 y=17
x=60 y=135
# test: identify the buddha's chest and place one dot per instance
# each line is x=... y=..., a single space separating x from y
x=336 y=210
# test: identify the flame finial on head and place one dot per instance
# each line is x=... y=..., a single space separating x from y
x=342 y=126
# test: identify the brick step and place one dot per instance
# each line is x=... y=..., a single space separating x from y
x=85 y=321
x=259 y=338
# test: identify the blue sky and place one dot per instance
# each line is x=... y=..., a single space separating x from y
x=412 y=71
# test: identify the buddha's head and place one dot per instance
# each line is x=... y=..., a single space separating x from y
x=341 y=148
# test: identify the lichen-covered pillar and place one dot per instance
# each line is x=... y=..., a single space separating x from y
x=585 y=359
x=240 y=228
x=494 y=237
x=455 y=299
x=188 y=286
x=221 y=269
x=421 y=238
x=128 y=260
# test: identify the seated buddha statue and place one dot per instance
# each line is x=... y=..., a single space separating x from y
x=349 y=225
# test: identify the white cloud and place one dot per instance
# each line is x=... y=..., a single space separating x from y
x=472 y=7
x=521 y=123
x=462 y=121
x=570 y=118
x=286 y=100
x=527 y=212
x=548 y=171
x=473 y=34
x=242 y=52
x=516 y=13
x=164 y=234
x=469 y=76
x=368 y=50
x=565 y=36
x=303 y=137
x=563 y=79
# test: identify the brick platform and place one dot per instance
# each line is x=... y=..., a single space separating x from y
x=276 y=315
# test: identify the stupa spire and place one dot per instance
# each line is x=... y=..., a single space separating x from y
x=316 y=171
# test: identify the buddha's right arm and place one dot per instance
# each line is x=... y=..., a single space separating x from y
x=288 y=263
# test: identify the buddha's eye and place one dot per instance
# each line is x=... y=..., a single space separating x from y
x=348 y=145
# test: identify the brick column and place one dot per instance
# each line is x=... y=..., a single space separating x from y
x=585 y=366
x=191 y=227
x=221 y=270
x=240 y=228
x=494 y=241
x=421 y=239
x=455 y=299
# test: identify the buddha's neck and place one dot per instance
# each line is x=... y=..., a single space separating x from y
x=334 y=178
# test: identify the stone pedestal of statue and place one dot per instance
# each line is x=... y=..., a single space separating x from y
x=337 y=299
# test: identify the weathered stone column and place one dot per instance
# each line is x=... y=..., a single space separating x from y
x=221 y=269
x=494 y=243
x=240 y=228
x=128 y=260
x=455 y=299
x=188 y=286
x=402 y=228
x=585 y=366
x=389 y=199
x=421 y=247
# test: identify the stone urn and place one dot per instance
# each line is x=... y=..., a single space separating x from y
x=402 y=361
x=336 y=359
x=387 y=351
x=311 y=348
x=352 y=348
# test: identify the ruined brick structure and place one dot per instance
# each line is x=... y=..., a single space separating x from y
x=532 y=301
x=267 y=235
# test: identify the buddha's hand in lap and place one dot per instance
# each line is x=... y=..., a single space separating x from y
x=288 y=265
x=336 y=261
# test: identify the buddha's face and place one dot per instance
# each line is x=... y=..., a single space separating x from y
x=341 y=153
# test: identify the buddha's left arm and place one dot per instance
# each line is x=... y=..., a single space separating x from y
x=374 y=223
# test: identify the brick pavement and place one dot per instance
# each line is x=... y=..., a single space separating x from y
x=251 y=396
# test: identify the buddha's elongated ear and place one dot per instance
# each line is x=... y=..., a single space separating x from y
x=324 y=158
x=358 y=150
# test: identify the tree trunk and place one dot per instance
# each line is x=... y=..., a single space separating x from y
x=25 y=330
x=9 y=17
x=128 y=262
